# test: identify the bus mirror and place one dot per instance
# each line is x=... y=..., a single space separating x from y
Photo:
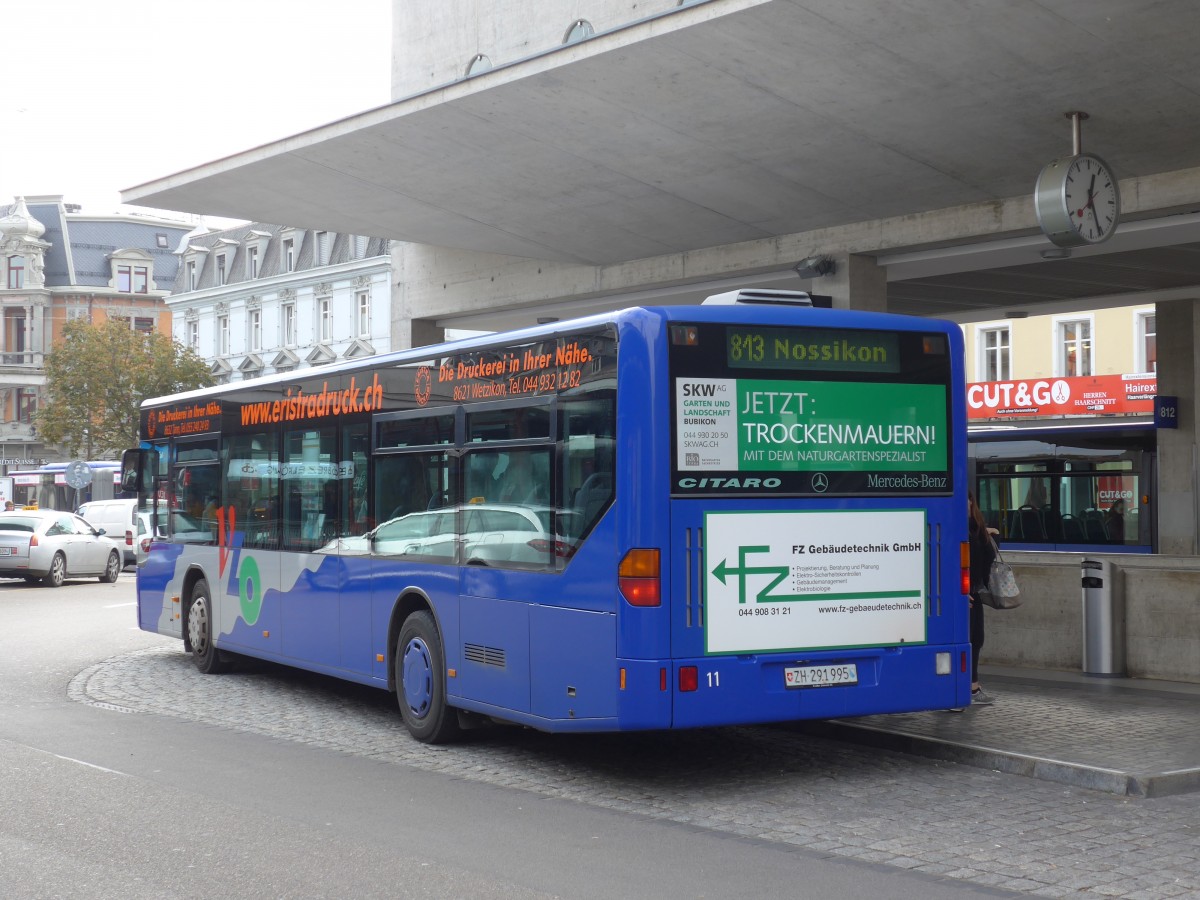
x=133 y=464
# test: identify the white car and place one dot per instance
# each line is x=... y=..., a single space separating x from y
x=53 y=546
x=492 y=533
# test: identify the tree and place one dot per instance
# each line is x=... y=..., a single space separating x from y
x=97 y=377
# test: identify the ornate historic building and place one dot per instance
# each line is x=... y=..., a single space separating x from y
x=59 y=264
x=258 y=299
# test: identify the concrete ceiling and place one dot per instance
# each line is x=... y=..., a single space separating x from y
x=742 y=120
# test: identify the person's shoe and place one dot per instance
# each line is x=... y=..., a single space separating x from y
x=979 y=698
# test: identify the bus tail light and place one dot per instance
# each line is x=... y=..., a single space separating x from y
x=964 y=553
x=638 y=577
x=689 y=678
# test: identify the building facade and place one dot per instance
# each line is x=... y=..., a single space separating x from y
x=59 y=265
x=258 y=299
x=1111 y=341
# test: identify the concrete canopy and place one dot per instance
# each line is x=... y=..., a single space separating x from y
x=744 y=120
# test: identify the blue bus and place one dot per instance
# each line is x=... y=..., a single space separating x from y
x=46 y=487
x=745 y=511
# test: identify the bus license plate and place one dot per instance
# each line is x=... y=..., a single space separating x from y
x=820 y=676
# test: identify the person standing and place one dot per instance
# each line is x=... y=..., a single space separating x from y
x=983 y=554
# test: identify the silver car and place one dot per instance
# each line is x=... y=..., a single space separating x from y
x=53 y=546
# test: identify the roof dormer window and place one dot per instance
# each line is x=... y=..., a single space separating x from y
x=256 y=250
x=132 y=271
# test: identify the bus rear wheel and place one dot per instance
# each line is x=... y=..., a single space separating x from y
x=421 y=681
x=200 y=627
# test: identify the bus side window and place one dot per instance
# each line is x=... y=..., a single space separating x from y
x=414 y=502
x=251 y=488
x=587 y=461
x=310 y=485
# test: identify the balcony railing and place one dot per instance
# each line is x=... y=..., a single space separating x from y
x=28 y=358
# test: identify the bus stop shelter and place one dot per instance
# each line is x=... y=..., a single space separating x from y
x=730 y=143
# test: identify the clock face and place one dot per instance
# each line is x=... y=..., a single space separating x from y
x=1090 y=193
x=1077 y=201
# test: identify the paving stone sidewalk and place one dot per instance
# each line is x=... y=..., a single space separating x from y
x=779 y=783
x=1122 y=736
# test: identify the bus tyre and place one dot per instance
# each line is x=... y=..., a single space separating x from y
x=58 y=571
x=112 y=569
x=421 y=681
x=205 y=655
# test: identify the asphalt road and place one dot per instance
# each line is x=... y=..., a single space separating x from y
x=97 y=803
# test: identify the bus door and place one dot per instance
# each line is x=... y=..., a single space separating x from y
x=249 y=612
x=309 y=526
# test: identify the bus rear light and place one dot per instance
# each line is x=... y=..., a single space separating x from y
x=638 y=577
x=964 y=555
x=962 y=661
x=685 y=336
x=941 y=664
x=689 y=678
x=662 y=679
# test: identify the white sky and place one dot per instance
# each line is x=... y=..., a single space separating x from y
x=103 y=95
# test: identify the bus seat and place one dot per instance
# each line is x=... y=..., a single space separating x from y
x=1072 y=529
x=1093 y=526
x=1027 y=525
x=592 y=495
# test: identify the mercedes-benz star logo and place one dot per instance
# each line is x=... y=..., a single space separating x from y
x=820 y=482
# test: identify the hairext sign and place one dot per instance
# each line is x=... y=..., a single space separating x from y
x=1081 y=396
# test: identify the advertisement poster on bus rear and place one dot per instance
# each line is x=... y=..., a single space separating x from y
x=814 y=437
x=814 y=580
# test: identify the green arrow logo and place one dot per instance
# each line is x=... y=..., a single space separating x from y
x=780 y=573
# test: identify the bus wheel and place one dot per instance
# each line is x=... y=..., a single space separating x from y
x=421 y=682
x=200 y=625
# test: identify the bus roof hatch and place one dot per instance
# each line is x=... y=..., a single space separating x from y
x=786 y=298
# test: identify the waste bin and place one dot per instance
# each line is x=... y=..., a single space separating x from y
x=1103 y=620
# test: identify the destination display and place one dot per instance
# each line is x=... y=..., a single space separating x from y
x=814 y=580
x=797 y=349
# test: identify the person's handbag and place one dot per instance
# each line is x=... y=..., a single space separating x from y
x=1001 y=591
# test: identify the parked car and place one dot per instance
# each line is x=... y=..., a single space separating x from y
x=119 y=520
x=492 y=533
x=53 y=546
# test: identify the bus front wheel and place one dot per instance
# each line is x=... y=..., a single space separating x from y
x=421 y=681
x=200 y=627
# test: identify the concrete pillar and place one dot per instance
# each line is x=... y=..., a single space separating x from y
x=857 y=282
x=422 y=332
x=1178 y=330
x=407 y=329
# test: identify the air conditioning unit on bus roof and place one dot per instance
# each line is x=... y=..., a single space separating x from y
x=786 y=298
